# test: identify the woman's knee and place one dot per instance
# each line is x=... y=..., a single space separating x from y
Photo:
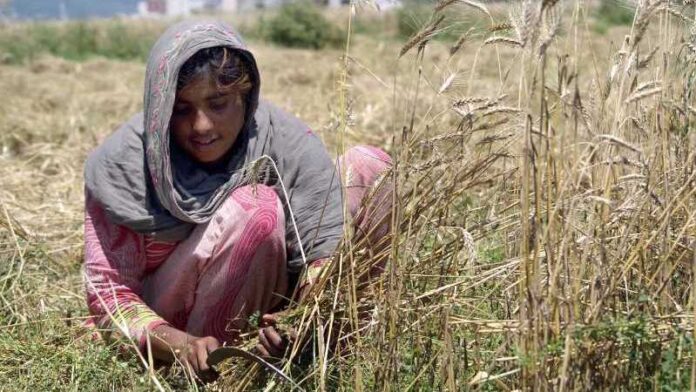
x=250 y=200
x=256 y=196
x=252 y=210
x=363 y=169
x=370 y=152
x=365 y=165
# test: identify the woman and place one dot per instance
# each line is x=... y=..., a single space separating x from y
x=201 y=210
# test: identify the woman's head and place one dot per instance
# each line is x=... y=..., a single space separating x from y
x=210 y=105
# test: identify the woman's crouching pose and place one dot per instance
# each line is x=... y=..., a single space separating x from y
x=201 y=210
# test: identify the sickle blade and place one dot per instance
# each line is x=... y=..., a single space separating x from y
x=223 y=353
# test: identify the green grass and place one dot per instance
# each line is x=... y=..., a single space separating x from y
x=301 y=25
x=46 y=355
x=613 y=13
x=77 y=40
x=44 y=345
x=297 y=25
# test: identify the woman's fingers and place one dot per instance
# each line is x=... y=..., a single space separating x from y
x=192 y=358
x=205 y=346
x=267 y=350
x=197 y=352
x=211 y=344
x=268 y=320
x=209 y=374
x=271 y=341
x=202 y=357
x=189 y=363
x=262 y=351
x=189 y=367
x=274 y=338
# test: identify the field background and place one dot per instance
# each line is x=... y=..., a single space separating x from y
x=544 y=235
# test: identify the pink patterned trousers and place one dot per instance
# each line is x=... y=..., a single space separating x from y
x=228 y=269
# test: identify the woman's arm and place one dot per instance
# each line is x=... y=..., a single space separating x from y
x=113 y=272
x=115 y=264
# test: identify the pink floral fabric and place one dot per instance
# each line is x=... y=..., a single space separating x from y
x=212 y=282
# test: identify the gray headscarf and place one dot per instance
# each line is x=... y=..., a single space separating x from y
x=145 y=183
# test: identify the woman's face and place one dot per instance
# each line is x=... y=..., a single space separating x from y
x=205 y=120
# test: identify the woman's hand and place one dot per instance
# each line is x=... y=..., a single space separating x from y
x=195 y=354
x=272 y=343
x=170 y=343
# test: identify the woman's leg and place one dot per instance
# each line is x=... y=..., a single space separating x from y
x=369 y=199
x=227 y=269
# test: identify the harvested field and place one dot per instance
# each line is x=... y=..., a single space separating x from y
x=544 y=227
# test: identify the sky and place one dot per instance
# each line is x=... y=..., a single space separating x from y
x=75 y=9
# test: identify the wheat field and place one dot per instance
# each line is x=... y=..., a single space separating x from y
x=544 y=221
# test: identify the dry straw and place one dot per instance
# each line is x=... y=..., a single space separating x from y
x=543 y=230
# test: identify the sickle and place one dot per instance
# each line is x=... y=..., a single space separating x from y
x=223 y=353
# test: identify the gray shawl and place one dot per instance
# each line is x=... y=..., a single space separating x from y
x=145 y=183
